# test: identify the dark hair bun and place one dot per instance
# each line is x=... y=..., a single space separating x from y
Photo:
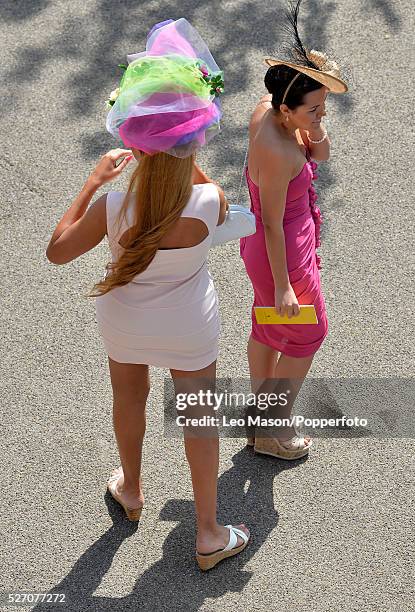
x=277 y=76
x=277 y=80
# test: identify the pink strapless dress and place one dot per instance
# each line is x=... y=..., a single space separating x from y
x=301 y=223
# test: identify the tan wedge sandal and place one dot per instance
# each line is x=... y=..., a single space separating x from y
x=294 y=448
x=206 y=562
x=134 y=514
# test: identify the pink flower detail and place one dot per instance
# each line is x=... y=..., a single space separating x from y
x=318 y=261
x=316 y=214
x=204 y=70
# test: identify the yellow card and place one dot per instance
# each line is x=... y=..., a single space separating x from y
x=266 y=315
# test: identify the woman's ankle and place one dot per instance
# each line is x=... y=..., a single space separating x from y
x=206 y=530
x=130 y=487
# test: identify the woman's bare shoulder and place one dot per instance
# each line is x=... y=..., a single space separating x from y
x=271 y=151
x=266 y=141
x=262 y=107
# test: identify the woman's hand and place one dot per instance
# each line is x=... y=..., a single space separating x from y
x=286 y=301
x=106 y=170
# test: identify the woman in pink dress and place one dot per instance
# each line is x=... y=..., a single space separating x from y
x=285 y=132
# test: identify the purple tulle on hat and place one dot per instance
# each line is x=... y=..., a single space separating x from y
x=159 y=25
x=163 y=131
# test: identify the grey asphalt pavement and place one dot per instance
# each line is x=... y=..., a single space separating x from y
x=329 y=534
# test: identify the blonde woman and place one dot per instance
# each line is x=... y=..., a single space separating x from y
x=157 y=304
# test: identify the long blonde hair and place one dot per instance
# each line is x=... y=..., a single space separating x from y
x=163 y=186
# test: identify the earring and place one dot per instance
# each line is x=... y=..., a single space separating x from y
x=287 y=118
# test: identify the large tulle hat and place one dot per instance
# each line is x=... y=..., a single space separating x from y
x=167 y=99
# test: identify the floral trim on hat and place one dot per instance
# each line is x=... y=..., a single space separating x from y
x=215 y=79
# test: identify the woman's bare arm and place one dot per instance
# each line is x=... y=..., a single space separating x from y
x=319 y=152
x=199 y=177
x=275 y=171
x=274 y=175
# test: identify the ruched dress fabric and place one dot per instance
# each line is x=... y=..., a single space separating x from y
x=301 y=224
x=168 y=315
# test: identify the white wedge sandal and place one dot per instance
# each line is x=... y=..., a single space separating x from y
x=209 y=560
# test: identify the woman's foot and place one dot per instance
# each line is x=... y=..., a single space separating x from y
x=130 y=498
x=287 y=442
x=290 y=449
x=228 y=544
x=251 y=441
x=210 y=541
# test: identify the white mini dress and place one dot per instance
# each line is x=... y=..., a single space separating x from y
x=168 y=315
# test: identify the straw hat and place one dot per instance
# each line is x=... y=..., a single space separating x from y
x=328 y=72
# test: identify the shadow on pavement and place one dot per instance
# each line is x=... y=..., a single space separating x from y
x=245 y=494
x=21 y=10
x=243 y=36
x=388 y=13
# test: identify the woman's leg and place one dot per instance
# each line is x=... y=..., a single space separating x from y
x=202 y=452
x=130 y=386
x=293 y=371
x=262 y=361
x=267 y=364
x=293 y=367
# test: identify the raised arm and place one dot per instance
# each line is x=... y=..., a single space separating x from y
x=321 y=151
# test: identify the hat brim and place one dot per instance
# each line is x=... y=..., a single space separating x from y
x=333 y=83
